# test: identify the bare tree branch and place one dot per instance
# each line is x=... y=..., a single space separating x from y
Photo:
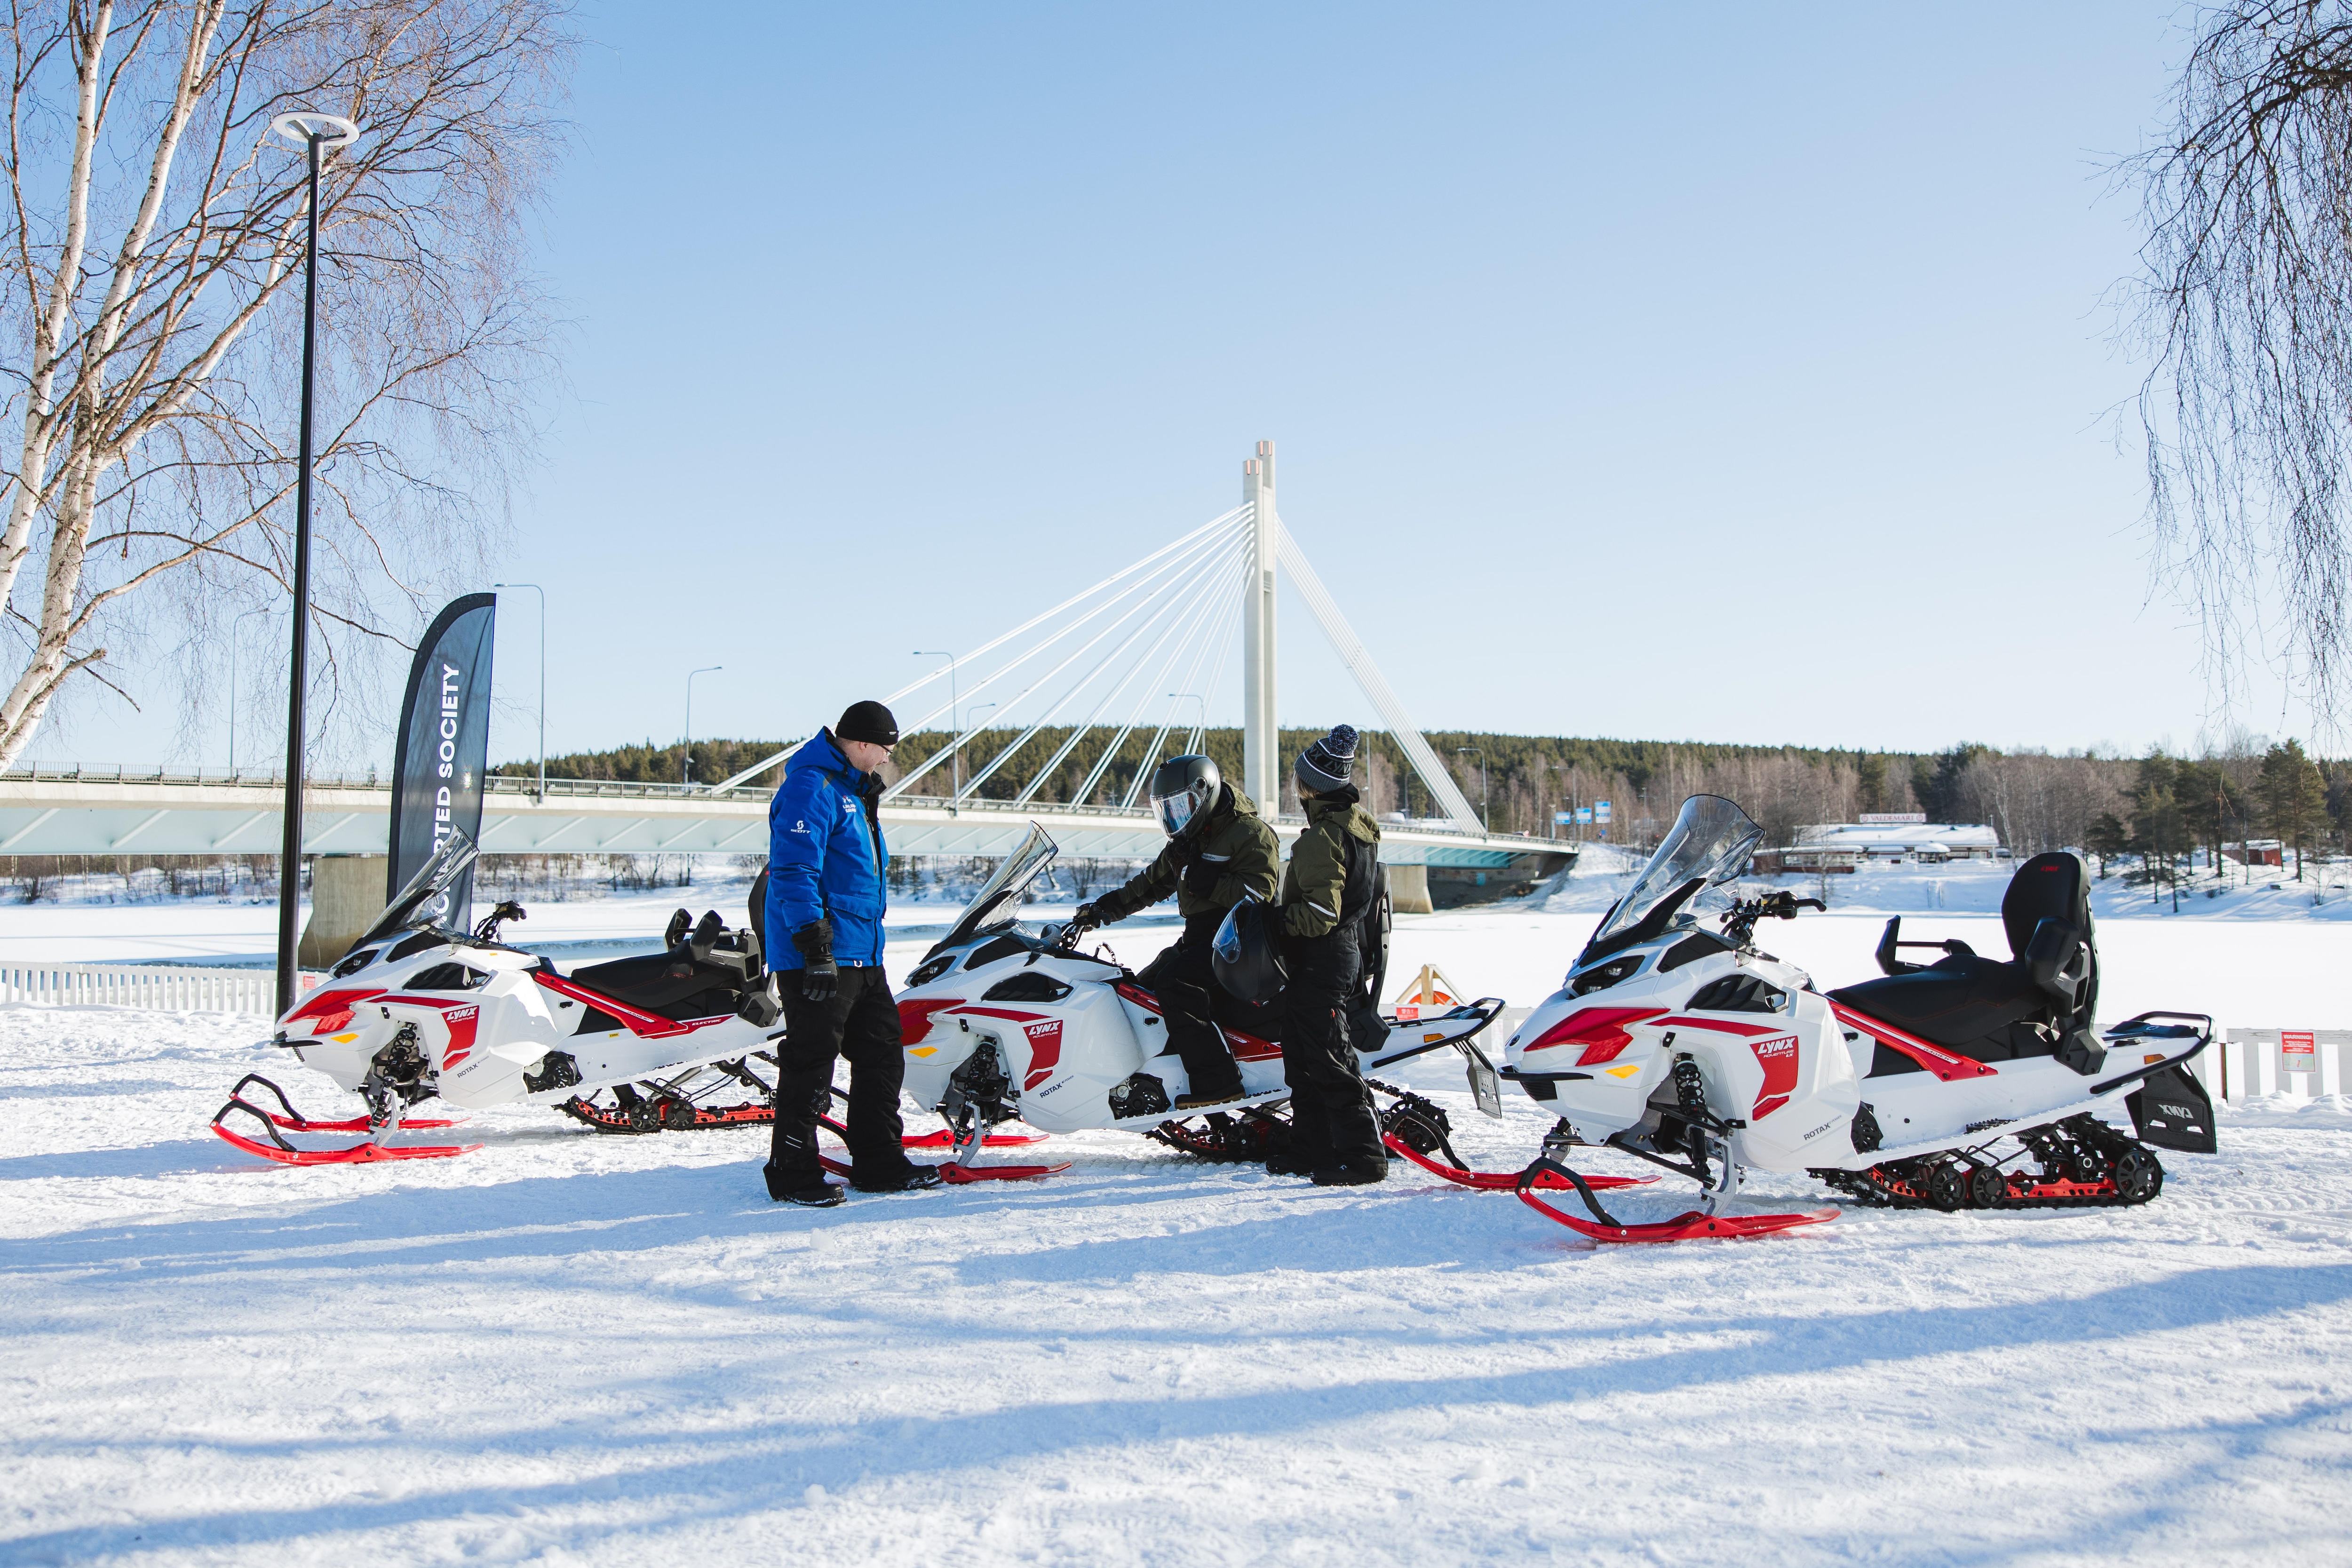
x=148 y=333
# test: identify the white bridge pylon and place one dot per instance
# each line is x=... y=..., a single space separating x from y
x=1127 y=655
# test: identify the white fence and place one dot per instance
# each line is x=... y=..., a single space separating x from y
x=2244 y=1064
x=166 y=990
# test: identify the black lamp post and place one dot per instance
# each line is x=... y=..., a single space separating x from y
x=317 y=134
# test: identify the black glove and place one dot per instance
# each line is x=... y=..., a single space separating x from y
x=820 y=979
x=1088 y=917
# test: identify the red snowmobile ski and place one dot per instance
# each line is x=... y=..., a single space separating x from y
x=291 y=1121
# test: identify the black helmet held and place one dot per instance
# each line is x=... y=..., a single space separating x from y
x=1183 y=791
x=1243 y=955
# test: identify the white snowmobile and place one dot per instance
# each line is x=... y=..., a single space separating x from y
x=1003 y=1023
x=1692 y=1049
x=414 y=1011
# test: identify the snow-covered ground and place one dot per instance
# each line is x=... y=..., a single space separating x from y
x=572 y=1349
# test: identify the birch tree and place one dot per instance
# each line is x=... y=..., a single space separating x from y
x=2246 y=304
x=150 y=306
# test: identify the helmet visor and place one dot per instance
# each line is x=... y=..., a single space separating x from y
x=1227 y=943
x=1175 y=810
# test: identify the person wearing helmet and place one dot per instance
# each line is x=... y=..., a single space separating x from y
x=1328 y=891
x=1219 y=852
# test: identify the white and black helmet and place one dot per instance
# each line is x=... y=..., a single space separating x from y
x=1243 y=955
x=1184 y=789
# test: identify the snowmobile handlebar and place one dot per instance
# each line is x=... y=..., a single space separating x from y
x=1779 y=904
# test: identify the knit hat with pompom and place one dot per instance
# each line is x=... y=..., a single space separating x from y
x=1328 y=763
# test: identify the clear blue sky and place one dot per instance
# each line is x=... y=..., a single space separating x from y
x=1730 y=373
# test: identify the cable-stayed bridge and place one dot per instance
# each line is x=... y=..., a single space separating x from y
x=1108 y=676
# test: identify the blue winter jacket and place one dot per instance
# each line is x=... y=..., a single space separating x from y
x=826 y=859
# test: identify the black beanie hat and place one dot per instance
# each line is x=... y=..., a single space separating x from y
x=868 y=721
x=1326 y=766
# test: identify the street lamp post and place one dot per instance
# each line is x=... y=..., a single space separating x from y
x=1204 y=701
x=706 y=669
x=955 y=726
x=1484 y=815
x=975 y=708
x=317 y=134
x=542 y=796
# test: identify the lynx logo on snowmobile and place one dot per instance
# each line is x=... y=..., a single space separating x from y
x=1045 y=1052
x=461 y=1022
x=1777 y=1057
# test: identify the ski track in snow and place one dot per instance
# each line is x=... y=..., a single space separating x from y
x=575 y=1349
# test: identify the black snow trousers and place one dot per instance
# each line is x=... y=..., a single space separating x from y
x=859 y=1021
x=1331 y=1115
x=1182 y=981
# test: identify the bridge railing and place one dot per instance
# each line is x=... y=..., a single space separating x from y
x=124 y=985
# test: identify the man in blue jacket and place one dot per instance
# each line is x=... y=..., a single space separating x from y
x=826 y=897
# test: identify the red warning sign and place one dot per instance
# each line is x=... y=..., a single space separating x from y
x=2298 y=1050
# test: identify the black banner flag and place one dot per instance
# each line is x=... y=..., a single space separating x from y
x=445 y=738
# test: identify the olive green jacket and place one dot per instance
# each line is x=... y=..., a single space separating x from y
x=1235 y=840
x=1316 y=877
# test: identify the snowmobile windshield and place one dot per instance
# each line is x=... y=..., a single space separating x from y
x=435 y=877
x=1708 y=847
x=992 y=908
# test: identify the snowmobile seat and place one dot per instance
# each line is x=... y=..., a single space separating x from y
x=703 y=972
x=1985 y=1009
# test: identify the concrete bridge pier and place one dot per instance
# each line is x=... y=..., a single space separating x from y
x=346 y=893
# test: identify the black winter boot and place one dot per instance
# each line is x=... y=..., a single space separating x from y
x=799 y=1187
x=1352 y=1174
x=908 y=1178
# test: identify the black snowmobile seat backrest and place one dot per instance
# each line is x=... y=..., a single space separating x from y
x=2048 y=887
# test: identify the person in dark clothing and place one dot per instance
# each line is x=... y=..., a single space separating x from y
x=1328 y=892
x=1219 y=852
x=825 y=898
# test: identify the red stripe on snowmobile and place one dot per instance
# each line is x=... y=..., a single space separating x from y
x=1594 y=1026
x=1501 y=1181
x=1690 y=1227
x=332 y=1009
x=1720 y=1026
x=997 y=1013
x=640 y=1023
x=1249 y=1048
x=1944 y=1064
x=1137 y=994
x=915 y=1017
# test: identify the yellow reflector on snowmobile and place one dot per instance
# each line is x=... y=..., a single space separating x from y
x=921 y=1050
x=347 y=1039
x=2143 y=1061
x=1626 y=1072
x=1431 y=1039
